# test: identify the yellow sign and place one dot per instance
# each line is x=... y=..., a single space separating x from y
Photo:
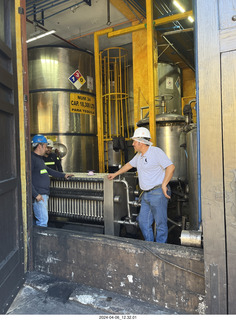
x=81 y=103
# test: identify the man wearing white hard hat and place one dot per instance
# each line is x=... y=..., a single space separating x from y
x=155 y=170
x=51 y=159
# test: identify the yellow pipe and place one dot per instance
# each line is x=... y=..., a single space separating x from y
x=21 y=127
x=174 y=17
x=126 y=30
x=102 y=122
x=120 y=96
x=116 y=104
x=103 y=60
x=150 y=59
x=98 y=98
x=109 y=74
x=157 y=22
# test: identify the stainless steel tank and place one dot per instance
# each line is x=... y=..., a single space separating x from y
x=169 y=79
x=63 y=112
x=191 y=147
x=170 y=137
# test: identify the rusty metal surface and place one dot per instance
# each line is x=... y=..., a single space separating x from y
x=167 y=275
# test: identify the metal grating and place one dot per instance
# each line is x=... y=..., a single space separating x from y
x=77 y=199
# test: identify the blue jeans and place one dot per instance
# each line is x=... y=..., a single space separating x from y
x=154 y=207
x=41 y=211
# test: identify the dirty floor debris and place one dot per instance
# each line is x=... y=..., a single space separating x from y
x=44 y=294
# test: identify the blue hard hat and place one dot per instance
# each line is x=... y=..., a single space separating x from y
x=39 y=138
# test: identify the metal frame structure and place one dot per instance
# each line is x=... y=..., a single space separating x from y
x=115 y=96
x=34 y=7
x=111 y=33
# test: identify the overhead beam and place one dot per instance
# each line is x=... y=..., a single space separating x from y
x=157 y=22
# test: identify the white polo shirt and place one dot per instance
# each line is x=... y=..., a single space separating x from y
x=151 y=167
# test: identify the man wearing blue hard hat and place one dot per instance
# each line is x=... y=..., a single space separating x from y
x=41 y=180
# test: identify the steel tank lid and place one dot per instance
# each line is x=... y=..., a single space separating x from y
x=163 y=117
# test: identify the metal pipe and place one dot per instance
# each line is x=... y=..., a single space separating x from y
x=177 y=31
x=178 y=224
x=127 y=194
x=134 y=203
x=171 y=228
x=44 y=5
x=108 y=13
x=76 y=4
x=45 y=8
x=191 y=101
x=126 y=222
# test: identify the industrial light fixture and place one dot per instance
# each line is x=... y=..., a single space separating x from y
x=41 y=36
x=181 y=9
x=191 y=19
x=178 y=5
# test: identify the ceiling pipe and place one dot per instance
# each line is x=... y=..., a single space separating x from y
x=54 y=35
x=37 y=9
x=177 y=31
x=108 y=13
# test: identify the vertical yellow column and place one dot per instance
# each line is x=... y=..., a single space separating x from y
x=140 y=73
x=144 y=63
x=21 y=127
x=99 y=98
x=150 y=58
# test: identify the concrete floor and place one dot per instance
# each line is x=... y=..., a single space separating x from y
x=44 y=294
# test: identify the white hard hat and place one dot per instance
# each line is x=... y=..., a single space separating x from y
x=50 y=143
x=141 y=133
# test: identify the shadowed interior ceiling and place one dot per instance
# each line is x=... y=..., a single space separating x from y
x=76 y=21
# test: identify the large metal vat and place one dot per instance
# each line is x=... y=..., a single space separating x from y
x=169 y=79
x=170 y=137
x=191 y=142
x=52 y=97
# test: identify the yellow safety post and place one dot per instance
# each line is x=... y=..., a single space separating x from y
x=98 y=98
x=150 y=58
